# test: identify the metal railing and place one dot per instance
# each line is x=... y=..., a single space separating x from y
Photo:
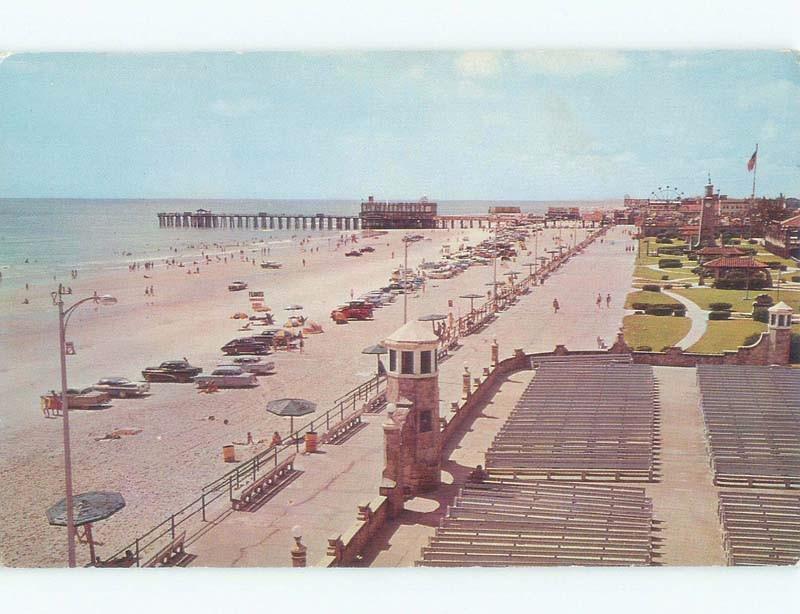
x=248 y=471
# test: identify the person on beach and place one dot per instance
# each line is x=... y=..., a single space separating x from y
x=276 y=439
x=608 y=301
x=556 y=306
x=599 y=300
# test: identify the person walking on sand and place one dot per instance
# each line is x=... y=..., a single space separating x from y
x=599 y=300
x=556 y=306
x=608 y=301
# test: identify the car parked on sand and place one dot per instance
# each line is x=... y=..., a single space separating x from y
x=235 y=286
x=79 y=398
x=354 y=310
x=355 y=252
x=121 y=387
x=227 y=377
x=246 y=345
x=252 y=364
x=178 y=371
x=367 y=249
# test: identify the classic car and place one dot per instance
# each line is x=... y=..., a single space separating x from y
x=252 y=364
x=367 y=249
x=354 y=310
x=171 y=371
x=271 y=264
x=78 y=398
x=121 y=387
x=235 y=286
x=227 y=377
x=354 y=252
x=246 y=345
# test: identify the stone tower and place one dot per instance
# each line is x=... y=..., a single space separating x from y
x=709 y=216
x=780 y=333
x=412 y=434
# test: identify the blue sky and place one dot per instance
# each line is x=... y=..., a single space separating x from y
x=451 y=125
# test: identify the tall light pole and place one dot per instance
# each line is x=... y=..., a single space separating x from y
x=405 y=277
x=63 y=320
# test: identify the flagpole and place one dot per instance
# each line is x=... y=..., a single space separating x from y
x=753 y=194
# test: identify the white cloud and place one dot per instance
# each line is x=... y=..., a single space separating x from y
x=478 y=63
x=571 y=63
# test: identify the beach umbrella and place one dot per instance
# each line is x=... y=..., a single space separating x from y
x=432 y=317
x=293 y=307
x=471 y=297
x=378 y=350
x=87 y=508
x=291 y=408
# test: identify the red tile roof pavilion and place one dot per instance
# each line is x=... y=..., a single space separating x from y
x=721 y=251
x=735 y=263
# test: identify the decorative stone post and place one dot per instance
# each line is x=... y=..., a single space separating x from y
x=465 y=384
x=299 y=550
x=495 y=353
x=780 y=333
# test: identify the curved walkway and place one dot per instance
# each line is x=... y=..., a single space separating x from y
x=698 y=316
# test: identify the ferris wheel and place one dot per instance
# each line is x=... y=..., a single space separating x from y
x=666 y=193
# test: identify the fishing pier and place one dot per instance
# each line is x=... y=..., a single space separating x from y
x=206 y=219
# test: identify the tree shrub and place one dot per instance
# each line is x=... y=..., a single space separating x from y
x=679 y=313
x=735 y=241
x=659 y=311
x=796 y=278
x=737 y=283
x=651 y=288
x=643 y=348
x=664 y=277
x=720 y=306
x=687 y=285
x=669 y=263
x=752 y=241
x=751 y=339
x=669 y=251
x=761 y=314
x=663 y=240
x=774 y=265
x=719 y=315
x=794 y=348
x=667 y=286
x=693 y=257
x=764 y=300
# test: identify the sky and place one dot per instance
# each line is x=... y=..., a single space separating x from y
x=514 y=125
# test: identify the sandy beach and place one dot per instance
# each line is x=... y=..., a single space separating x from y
x=178 y=449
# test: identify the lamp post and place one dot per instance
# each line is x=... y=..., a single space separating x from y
x=405 y=277
x=63 y=320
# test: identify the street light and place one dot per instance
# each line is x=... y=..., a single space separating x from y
x=63 y=320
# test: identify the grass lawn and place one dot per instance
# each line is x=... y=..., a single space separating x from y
x=765 y=256
x=645 y=296
x=705 y=296
x=654 y=331
x=726 y=335
x=651 y=274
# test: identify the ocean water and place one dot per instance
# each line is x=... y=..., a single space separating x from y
x=56 y=235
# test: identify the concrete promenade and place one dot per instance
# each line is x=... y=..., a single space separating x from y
x=323 y=499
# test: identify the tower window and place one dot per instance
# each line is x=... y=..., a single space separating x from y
x=425 y=361
x=392 y=360
x=425 y=422
x=407 y=363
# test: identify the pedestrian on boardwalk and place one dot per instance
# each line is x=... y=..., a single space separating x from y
x=608 y=301
x=556 y=306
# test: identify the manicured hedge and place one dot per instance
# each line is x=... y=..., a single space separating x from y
x=669 y=251
x=720 y=306
x=643 y=348
x=751 y=339
x=739 y=284
x=659 y=311
x=719 y=315
x=761 y=314
x=796 y=278
x=669 y=263
x=651 y=288
x=664 y=240
x=680 y=313
x=764 y=300
x=794 y=349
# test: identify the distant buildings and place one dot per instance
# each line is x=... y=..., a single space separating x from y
x=702 y=219
x=383 y=215
x=563 y=213
x=783 y=238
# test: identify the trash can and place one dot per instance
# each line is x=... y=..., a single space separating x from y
x=229 y=454
x=311 y=442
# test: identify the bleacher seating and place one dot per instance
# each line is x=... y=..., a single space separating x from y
x=501 y=523
x=590 y=419
x=752 y=422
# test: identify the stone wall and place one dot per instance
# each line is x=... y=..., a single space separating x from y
x=344 y=549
